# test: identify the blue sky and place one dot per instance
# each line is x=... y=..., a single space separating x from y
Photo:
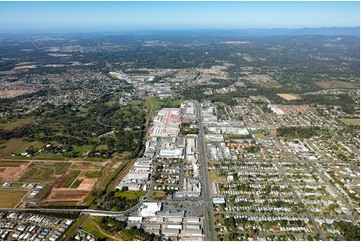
x=119 y=16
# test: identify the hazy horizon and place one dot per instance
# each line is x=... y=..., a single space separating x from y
x=143 y=16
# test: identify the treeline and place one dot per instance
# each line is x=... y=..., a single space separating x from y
x=299 y=132
x=115 y=226
x=111 y=202
x=69 y=127
x=350 y=231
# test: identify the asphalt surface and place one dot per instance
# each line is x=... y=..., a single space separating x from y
x=208 y=215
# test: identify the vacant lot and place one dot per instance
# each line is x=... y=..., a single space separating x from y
x=337 y=84
x=66 y=195
x=78 y=194
x=289 y=96
x=12 y=93
x=9 y=198
x=45 y=171
x=93 y=174
x=158 y=195
x=12 y=163
x=216 y=178
x=260 y=136
x=13 y=170
x=13 y=145
x=130 y=195
x=68 y=179
x=92 y=225
x=351 y=121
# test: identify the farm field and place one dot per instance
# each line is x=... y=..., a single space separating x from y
x=337 y=84
x=10 y=198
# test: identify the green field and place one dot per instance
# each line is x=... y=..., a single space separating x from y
x=9 y=199
x=256 y=131
x=337 y=84
x=130 y=195
x=14 y=145
x=76 y=183
x=45 y=171
x=93 y=174
x=102 y=147
x=12 y=163
x=18 y=123
x=72 y=175
x=49 y=156
x=82 y=149
x=350 y=121
x=92 y=225
x=158 y=195
x=222 y=104
x=155 y=103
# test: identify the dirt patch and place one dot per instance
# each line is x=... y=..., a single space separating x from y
x=289 y=96
x=71 y=194
x=87 y=184
x=84 y=166
x=12 y=93
x=65 y=195
x=13 y=174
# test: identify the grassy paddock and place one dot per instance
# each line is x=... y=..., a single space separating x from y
x=16 y=145
x=158 y=195
x=216 y=178
x=130 y=195
x=10 y=198
x=337 y=84
x=76 y=183
x=93 y=174
x=12 y=163
x=17 y=124
x=350 y=121
x=72 y=176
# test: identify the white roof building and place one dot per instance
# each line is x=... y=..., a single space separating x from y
x=219 y=200
x=149 y=209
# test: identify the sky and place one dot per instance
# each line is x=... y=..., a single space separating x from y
x=123 y=16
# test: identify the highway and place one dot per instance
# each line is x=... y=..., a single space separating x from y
x=208 y=203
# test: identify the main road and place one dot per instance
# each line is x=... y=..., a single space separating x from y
x=208 y=203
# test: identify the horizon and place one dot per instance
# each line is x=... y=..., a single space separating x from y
x=157 y=31
x=65 y=17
